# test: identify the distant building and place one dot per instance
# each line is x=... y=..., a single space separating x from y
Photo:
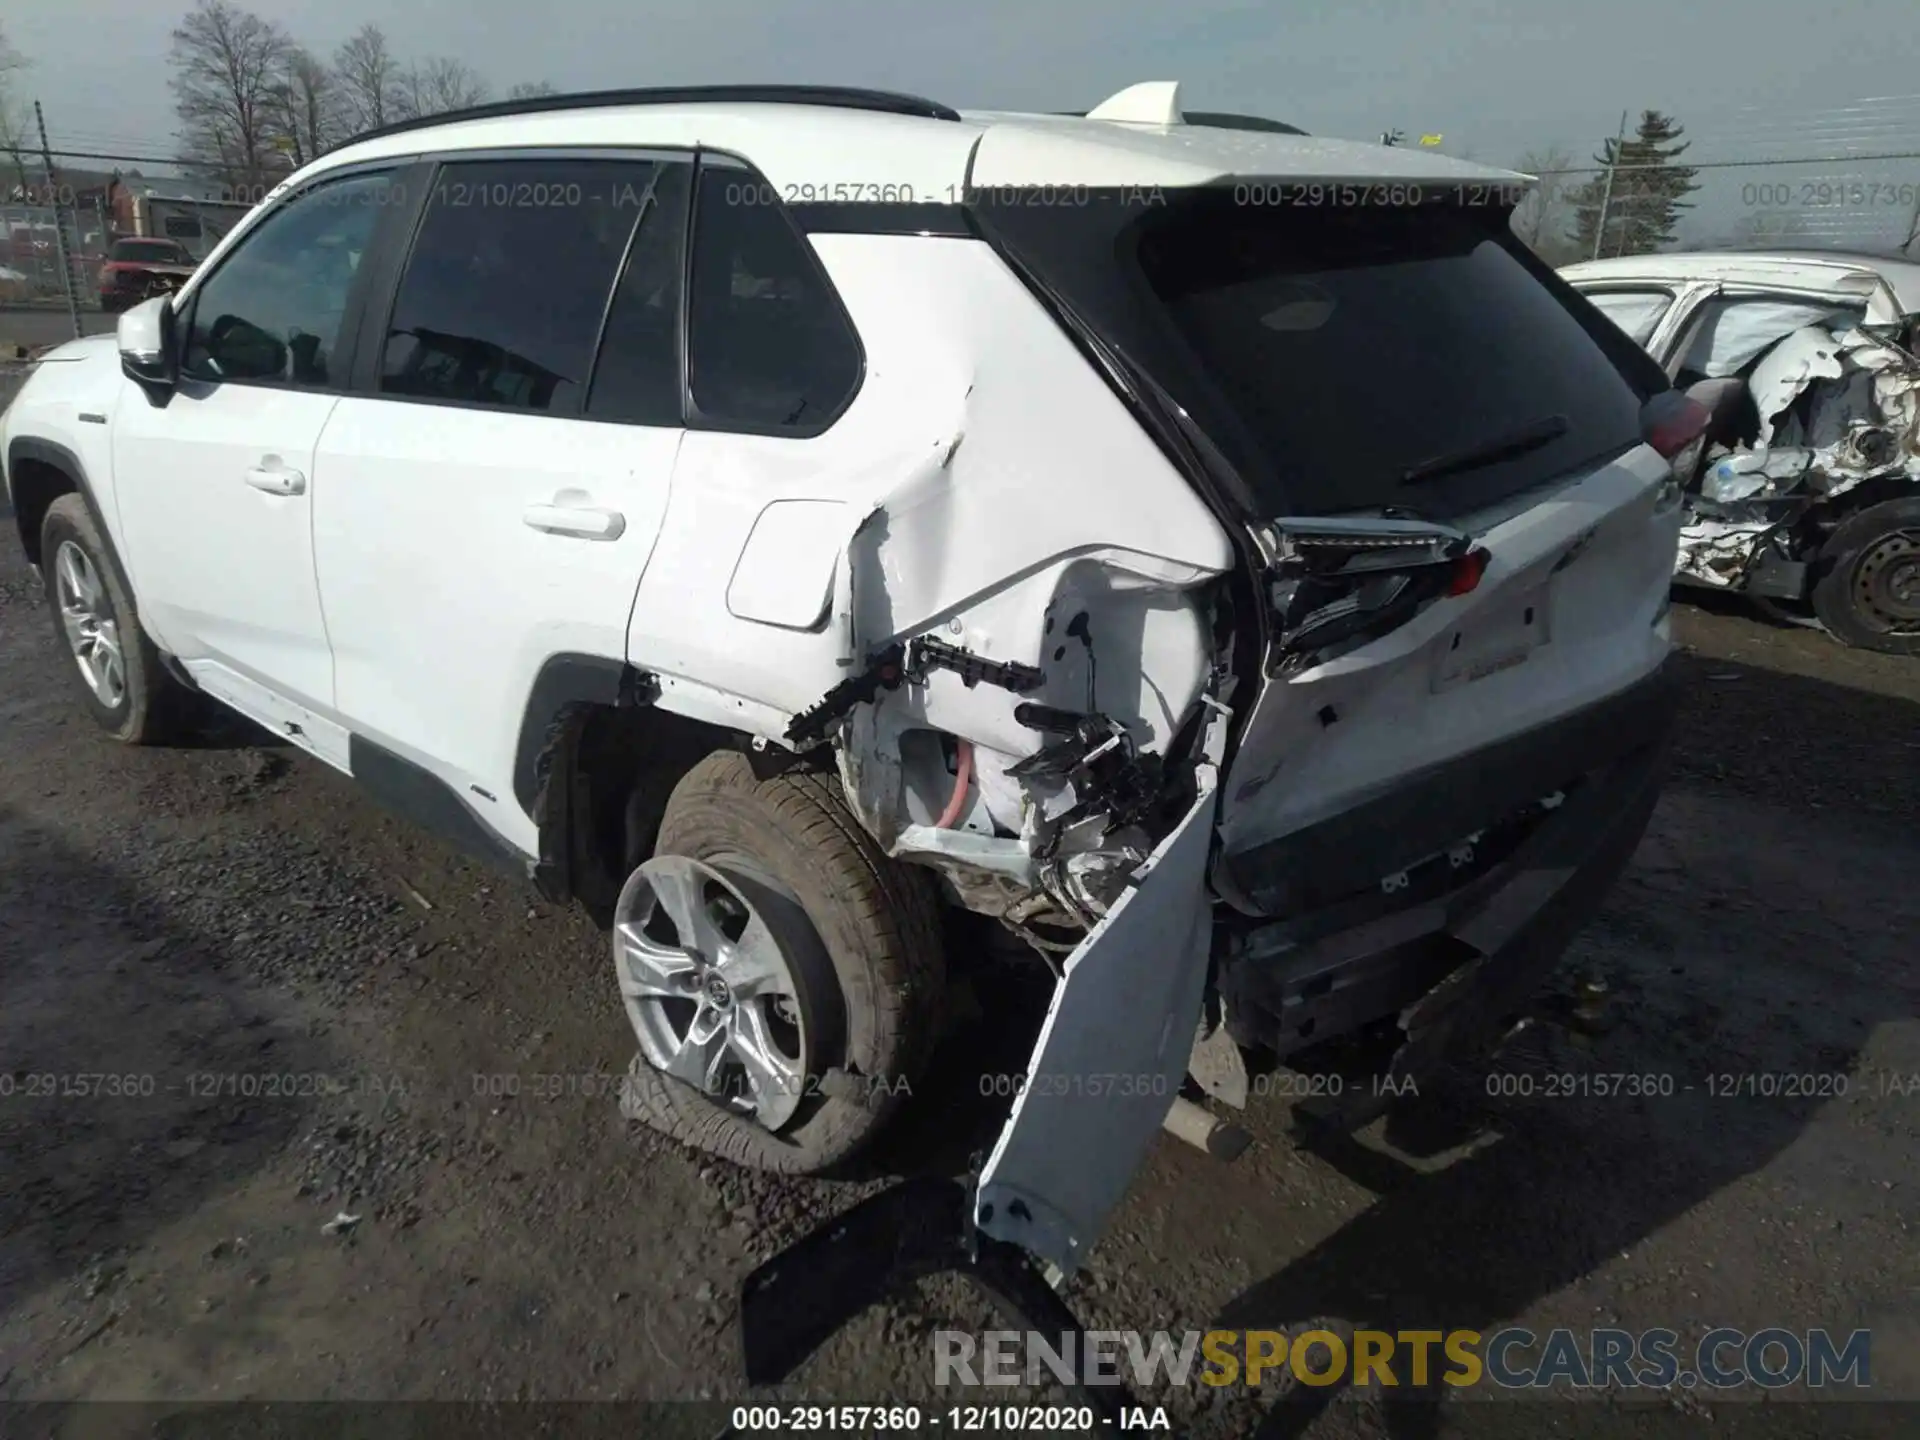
x=195 y=213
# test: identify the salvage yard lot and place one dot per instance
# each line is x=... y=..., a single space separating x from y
x=330 y=1005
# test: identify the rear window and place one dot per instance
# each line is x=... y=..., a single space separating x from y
x=1384 y=357
x=155 y=252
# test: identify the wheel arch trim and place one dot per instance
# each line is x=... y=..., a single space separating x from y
x=59 y=457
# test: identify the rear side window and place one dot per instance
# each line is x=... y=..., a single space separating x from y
x=508 y=281
x=769 y=347
x=1637 y=312
x=1386 y=357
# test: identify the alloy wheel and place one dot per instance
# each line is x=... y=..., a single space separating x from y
x=86 y=614
x=711 y=960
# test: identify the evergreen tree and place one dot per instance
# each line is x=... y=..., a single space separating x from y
x=1648 y=193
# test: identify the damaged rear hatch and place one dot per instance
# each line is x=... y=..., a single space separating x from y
x=1457 y=534
x=1440 y=448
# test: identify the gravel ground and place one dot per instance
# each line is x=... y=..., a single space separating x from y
x=236 y=910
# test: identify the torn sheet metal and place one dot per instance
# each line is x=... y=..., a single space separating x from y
x=1782 y=377
x=1837 y=409
x=1719 y=552
x=1111 y=1055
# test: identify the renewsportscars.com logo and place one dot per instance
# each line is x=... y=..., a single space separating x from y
x=1510 y=1359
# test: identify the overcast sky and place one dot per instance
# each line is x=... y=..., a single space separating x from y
x=1496 y=77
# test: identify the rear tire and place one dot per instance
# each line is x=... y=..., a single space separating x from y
x=114 y=665
x=879 y=923
x=1868 y=590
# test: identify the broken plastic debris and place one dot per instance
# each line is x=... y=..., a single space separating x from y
x=340 y=1224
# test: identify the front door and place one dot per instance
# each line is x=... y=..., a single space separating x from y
x=216 y=484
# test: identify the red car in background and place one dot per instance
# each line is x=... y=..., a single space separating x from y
x=137 y=270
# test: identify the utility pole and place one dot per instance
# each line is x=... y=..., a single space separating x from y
x=1606 y=193
x=68 y=280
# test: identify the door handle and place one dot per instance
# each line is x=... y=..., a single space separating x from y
x=277 y=482
x=582 y=521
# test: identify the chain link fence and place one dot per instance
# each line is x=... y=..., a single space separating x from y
x=1843 y=178
x=66 y=200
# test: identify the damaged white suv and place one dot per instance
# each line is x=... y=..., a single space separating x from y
x=1807 y=496
x=771 y=516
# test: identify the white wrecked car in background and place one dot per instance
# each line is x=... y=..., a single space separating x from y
x=1807 y=496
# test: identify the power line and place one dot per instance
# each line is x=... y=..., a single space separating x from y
x=1736 y=164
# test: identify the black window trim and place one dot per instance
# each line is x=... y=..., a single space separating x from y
x=382 y=301
x=358 y=293
x=613 y=297
x=695 y=418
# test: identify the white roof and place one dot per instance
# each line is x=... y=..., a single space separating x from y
x=1837 y=271
x=805 y=150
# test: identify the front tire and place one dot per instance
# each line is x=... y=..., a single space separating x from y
x=1868 y=590
x=122 y=683
x=861 y=971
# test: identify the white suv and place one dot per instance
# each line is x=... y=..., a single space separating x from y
x=771 y=516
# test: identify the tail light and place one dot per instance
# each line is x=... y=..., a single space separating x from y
x=1467 y=571
x=1343 y=582
x=1675 y=425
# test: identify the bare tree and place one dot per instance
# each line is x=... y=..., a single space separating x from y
x=307 y=107
x=227 y=69
x=367 y=75
x=436 y=86
x=13 y=111
x=1543 y=218
x=532 y=90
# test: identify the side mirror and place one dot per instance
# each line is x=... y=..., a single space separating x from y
x=147 y=353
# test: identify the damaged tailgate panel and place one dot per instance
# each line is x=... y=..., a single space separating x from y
x=1111 y=1056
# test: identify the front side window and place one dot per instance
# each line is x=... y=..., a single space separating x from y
x=1731 y=332
x=768 y=346
x=273 y=310
x=509 y=280
x=1637 y=312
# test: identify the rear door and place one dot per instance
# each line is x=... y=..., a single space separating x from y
x=495 y=484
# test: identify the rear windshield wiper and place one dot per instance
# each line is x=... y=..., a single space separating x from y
x=1530 y=436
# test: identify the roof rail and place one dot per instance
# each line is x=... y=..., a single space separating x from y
x=832 y=96
x=1221 y=120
